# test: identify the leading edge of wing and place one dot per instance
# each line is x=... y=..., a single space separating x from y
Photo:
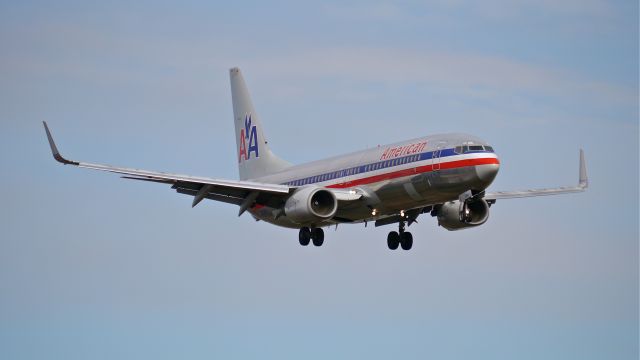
x=165 y=177
x=583 y=184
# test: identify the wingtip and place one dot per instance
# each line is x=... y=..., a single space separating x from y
x=583 y=179
x=54 y=148
x=52 y=144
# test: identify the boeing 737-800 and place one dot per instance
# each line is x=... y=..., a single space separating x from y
x=445 y=176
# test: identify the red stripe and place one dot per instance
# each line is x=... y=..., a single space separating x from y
x=416 y=170
x=406 y=172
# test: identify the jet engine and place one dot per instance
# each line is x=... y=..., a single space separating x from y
x=310 y=205
x=456 y=215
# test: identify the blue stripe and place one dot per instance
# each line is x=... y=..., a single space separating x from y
x=375 y=166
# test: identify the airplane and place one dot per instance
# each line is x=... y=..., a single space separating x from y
x=445 y=176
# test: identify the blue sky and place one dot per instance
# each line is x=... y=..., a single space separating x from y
x=92 y=266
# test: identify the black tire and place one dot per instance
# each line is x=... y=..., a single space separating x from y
x=304 y=236
x=393 y=240
x=317 y=235
x=406 y=240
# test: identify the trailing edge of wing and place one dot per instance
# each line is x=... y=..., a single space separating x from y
x=138 y=174
x=583 y=184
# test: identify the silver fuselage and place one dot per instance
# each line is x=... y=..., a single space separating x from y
x=408 y=175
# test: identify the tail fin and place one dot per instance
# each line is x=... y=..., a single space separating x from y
x=255 y=159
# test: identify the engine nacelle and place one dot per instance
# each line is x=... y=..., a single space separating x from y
x=310 y=205
x=456 y=215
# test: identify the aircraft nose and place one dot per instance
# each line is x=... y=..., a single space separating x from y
x=487 y=173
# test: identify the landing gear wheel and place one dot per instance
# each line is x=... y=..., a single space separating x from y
x=393 y=240
x=406 y=240
x=304 y=236
x=317 y=235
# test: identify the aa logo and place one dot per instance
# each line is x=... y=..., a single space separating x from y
x=248 y=136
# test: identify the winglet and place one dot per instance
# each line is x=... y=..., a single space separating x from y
x=583 y=180
x=54 y=149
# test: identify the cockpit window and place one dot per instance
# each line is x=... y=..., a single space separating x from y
x=467 y=148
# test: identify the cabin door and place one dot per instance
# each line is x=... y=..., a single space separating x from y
x=436 y=158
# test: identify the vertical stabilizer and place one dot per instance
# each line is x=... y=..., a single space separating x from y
x=254 y=157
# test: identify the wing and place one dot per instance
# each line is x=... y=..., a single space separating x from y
x=242 y=193
x=583 y=183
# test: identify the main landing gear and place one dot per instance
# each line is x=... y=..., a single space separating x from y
x=400 y=238
x=311 y=234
